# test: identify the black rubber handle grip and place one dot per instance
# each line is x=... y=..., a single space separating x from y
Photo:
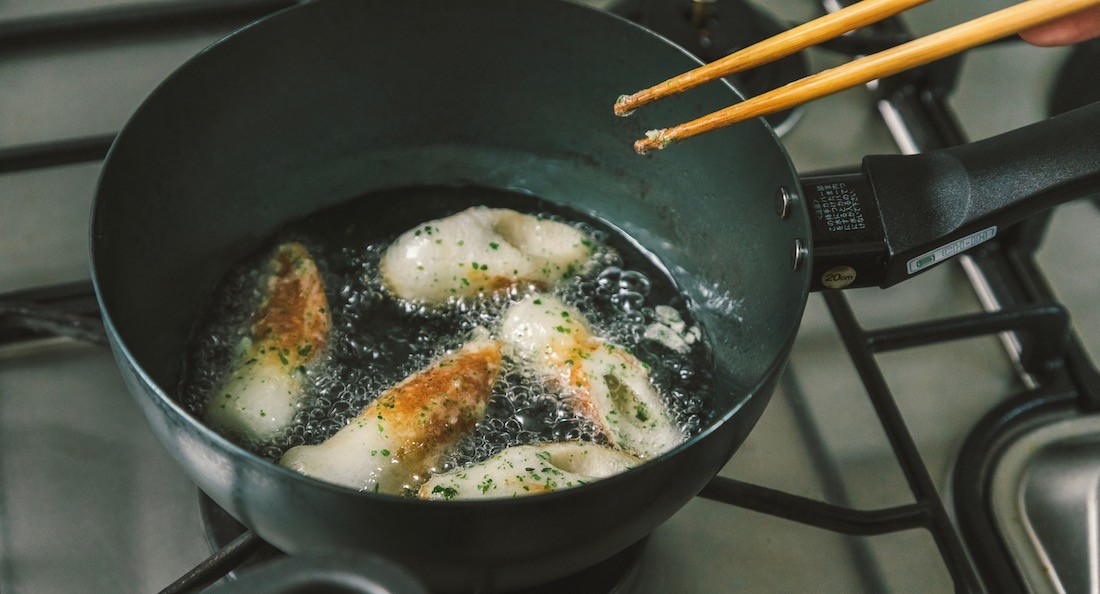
x=935 y=205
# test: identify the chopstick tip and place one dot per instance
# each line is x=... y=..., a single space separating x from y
x=654 y=139
x=624 y=105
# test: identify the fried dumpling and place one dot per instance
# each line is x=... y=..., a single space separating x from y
x=396 y=440
x=482 y=250
x=609 y=385
x=529 y=470
x=289 y=331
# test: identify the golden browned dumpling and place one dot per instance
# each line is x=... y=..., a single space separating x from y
x=396 y=440
x=288 y=332
x=609 y=385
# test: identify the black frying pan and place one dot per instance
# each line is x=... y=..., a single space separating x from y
x=334 y=98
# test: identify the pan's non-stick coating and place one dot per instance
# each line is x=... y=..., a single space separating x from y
x=335 y=98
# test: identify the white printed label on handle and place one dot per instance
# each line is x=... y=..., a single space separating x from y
x=950 y=250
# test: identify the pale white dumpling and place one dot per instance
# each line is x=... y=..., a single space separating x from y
x=287 y=333
x=395 y=441
x=530 y=469
x=482 y=250
x=609 y=385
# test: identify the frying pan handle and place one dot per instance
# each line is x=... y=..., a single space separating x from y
x=903 y=215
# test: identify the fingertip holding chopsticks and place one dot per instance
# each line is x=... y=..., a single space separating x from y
x=915 y=53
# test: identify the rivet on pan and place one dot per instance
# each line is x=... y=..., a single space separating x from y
x=798 y=255
x=783 y=201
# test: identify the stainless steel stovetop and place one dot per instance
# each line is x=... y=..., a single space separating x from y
x=89 y=502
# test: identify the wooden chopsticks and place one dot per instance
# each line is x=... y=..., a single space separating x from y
x=903 y=57
x=784 y=44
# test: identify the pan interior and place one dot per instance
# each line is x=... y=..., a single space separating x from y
x=352 y=96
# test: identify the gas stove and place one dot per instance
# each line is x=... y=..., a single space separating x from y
x=937 y=435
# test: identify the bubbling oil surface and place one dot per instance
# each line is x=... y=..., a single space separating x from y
x=378 y=340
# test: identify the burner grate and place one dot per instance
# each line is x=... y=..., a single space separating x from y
x=68 y=310
x=115 y=23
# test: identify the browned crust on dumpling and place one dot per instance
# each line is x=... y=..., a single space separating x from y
x=430 y=410
x=294 y=318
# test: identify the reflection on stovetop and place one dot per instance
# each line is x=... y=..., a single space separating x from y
x=90 y=502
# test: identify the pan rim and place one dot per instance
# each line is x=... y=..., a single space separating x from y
x=170 y=405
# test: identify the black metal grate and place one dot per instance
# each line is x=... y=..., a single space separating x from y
x=1052 y=356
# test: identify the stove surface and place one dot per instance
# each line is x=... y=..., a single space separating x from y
x=90 y=502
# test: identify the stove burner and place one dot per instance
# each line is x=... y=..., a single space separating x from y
x=713 y=29
x=615 y=575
